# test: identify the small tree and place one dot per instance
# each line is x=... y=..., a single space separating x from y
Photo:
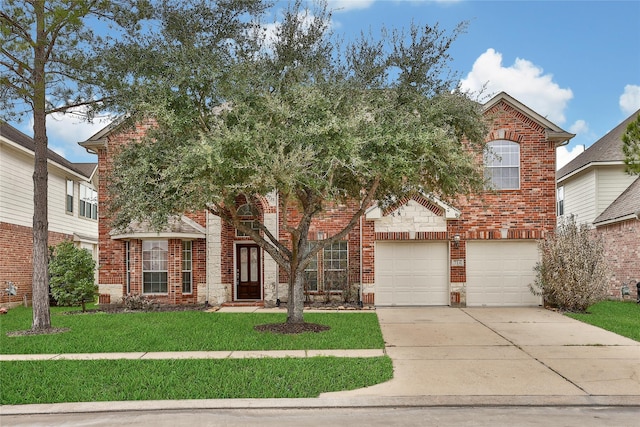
x=631 y=146
x=573 y=272
x=72 y=275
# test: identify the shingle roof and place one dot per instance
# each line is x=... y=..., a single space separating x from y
x=9 y=132
x=175 y=226
x=606 y=149
x=627 y=204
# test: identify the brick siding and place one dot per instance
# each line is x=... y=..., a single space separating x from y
x=16 y=253
x=622 y=250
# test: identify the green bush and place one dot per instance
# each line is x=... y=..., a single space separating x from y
x=72 y=275
x=573 y=272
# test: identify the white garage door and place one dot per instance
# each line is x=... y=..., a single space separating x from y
x=411 y=273
x=499 y=273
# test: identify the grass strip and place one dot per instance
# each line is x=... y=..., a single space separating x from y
x=184 y=331
x=120 y=380
x=621 y=317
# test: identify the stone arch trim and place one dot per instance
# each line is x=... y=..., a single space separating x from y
x=425 y=202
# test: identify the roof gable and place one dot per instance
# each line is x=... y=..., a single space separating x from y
x=626 y=206
x=605 y=150
x=431 y=203
x=553 y=132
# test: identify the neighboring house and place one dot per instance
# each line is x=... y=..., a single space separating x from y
x=478 y=251
x=596 y=190
x=72 y=204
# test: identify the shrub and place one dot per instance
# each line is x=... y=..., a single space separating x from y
x=137 y=302
x=573 y=272
x=71 y=271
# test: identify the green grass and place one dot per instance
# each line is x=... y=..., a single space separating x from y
x=183 y=331
x=53 y=381
x=117 y=380
x=621 y=317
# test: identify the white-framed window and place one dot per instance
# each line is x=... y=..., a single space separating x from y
x=127 y=248
x=334 y=273
x=560 y=201
x=311 y=273
x=88 y=203
x=187 y=267
x=69 y=196
x=502 y=165
x=154 y=266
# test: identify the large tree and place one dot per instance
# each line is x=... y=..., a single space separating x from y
x=45 y=47
x=292 y=111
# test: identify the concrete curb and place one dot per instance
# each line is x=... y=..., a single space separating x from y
x=369 y=402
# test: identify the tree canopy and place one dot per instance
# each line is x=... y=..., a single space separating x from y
x=631 y=146
x=242 y=112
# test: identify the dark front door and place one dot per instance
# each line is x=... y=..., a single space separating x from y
x=248 y=272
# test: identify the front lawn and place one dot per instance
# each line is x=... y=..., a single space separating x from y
x=183 y=331
x=621 y=317
x=58 y=381
x=52 y=381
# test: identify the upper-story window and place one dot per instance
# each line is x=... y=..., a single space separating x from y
x=88 y=205
x=502 y=165
x=69 y=199
x=560 y=201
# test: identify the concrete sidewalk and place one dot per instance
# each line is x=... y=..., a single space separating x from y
x=446 y=356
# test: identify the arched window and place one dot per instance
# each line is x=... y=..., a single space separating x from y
x=502 y=165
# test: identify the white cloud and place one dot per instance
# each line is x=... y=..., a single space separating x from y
x=580 y=127
x=66 y=130
x=346 y=5
x=523 y=80
x=565 y=154
x=630 y=99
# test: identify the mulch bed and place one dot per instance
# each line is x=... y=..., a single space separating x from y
x=28 y=332
x=291 y=328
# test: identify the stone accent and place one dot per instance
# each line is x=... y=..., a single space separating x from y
x=270 y=268
x=411 y=218
x=217 y=291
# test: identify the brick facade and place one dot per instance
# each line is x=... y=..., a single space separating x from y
x=622 y=250
x=524 y=214
x=16 y=253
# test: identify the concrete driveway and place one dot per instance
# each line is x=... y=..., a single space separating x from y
x=443 y=351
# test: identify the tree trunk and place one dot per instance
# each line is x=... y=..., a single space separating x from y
x=40 y=282
x=295 y=304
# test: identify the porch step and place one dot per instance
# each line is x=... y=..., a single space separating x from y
x=243 y=304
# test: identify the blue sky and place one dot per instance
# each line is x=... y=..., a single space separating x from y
x=574 y=62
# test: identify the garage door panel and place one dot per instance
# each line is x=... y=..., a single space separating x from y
x=411 y=273
x=499 y=273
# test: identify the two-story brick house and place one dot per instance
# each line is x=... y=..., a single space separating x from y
x=72 y=207
x=479 y=250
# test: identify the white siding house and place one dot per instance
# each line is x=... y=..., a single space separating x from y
x=595 y=188
x=72 y=215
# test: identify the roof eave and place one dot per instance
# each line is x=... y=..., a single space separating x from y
x=160 y=235
x=560 y=138
x=588 y=166
x=632 y=216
